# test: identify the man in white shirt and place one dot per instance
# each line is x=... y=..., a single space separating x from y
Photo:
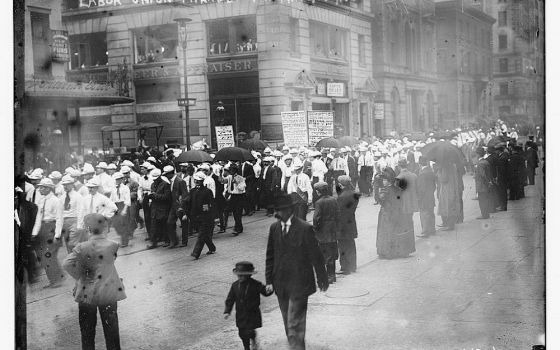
x=88 y=172
x=56 y=176
x=234 y=188
x=48 y=230
x=95 y=202
x=34 y=195
x=318 y=170
x=121 y=197
x=209 y=182
x=287 y=170
x=70 y=203
x=144 y=188
x=339 y=166
x=365 y=169
x=300 y=185
x=106 y=183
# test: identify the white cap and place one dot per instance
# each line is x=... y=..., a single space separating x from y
x=146 y=165
x=155 y=173
x=55 y=175
x=288 y=156
x=267 y=150
x=184 y=164
x=112 y=166
x=93 y=182
x=125 y=169
x=46 y=182
x=168 y=169
x=204 y=166
x=67 y=179
x=101 y=165
x=199 y=176
x=285 y=148
x=68 y=171
x=118 y=175
x=128 y=163
x=151 y=159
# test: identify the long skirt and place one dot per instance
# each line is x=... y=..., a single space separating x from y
x=395 y=238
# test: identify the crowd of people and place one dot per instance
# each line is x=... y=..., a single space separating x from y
x=53 y=209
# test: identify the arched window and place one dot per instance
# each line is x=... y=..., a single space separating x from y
x=395 y=108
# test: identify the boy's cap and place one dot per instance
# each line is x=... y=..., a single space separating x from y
x=244 y=268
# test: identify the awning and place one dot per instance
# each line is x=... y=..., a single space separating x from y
x=73 y=93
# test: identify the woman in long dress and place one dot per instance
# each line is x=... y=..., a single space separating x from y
x=394 y=238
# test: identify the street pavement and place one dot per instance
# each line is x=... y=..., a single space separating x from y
x=480 y=286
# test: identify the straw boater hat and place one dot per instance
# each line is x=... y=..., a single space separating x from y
x=55 y=175
x=199 y=176
x=46 y=182
x=93 y=183
x=101 y=165
x=112 y=166
x=35 y=175
x=125 y=169
x=244 y=268
x=118 y=175
x=155 y=173
x=128 y=163
x=88 y=169
x=67 y=180
x=168 y=169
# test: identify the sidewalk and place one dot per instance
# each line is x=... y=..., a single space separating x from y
x=480 y=287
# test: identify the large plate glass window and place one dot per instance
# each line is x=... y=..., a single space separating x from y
x=232 y=36
x=328 y=41
x=155 y=43
x=88 y=50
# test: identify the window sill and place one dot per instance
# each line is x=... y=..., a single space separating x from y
x=229 y=55
x=330 y=59
x=170 y=62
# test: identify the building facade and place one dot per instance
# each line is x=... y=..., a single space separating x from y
x=255 y=58
x=464 y=61
x=518 y=82
x=404 y=64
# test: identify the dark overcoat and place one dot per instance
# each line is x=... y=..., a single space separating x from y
x=290 y=260
x=246 y=296
x=483 y=176
x=325 y=219
x=347 y=203
x=161 y=201
x=426 y=186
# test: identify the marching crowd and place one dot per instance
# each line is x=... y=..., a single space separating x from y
x=52 y=210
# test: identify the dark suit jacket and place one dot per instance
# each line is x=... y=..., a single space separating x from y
x=161 y=201
x=325 y=219
x=352 y=167
x=483 y=176
x=273 y=180
x=247 y=300
x=290 y=260
x=199 y=198
x=347 y=203
x=532 y=158
x=179 y=193
x=248 y=173
x=425 y=187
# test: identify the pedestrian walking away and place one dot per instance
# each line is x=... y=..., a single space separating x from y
x=347 y=229
x=98 y=286
x=325 y=220
x=245 y=295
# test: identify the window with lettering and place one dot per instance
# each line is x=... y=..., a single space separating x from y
x=88 y=50
x=328 y=41
x=232 y=36
x=155 y=43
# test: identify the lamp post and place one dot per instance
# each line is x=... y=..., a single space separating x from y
x=182 y=21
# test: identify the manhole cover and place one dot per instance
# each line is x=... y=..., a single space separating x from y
x=347 y=293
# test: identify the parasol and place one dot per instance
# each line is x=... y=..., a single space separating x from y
x=328 y=142
x=234 y=154
x=443 y=152
x=193 y=156
x=348 y=141
x=254 y=144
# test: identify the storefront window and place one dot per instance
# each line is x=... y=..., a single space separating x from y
x=328 y=41
x=232 y=36
x=88 y=50
x=155 y=44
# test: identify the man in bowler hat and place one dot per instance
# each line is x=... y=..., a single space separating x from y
x=291 y=256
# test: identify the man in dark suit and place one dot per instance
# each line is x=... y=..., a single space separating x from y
x=352 y=165
x=502 y=172
x=532 y=162
x=425 y=187
x=493 y=161
x=179 y=194
x=483 y=179
x=347 y=229
x=201 y=209
x=248 y=173
x=291 y=256
x=270 y=184
x=161 y=204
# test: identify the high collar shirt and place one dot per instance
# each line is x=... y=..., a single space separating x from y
x=286 y=225
x=189 y=180
x=121 y=193
x=287 y=172
x=318 y=169
x=35 y=193
x=145 y=185
x=49 y=210
x=265 y=171
x=70 y=211
x=257 y=168
x=300 y=183
x=210 y=184
x=97 y=203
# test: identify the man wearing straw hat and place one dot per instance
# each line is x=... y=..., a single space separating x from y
x=48 y=230
x=292 y=254
x=70 y=202
x=95 y=202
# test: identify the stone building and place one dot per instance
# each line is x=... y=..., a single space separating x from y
x=404 y=65
x=256 y=58
x=464 y=53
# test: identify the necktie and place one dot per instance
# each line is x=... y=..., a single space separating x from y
x=91 y=205
x=145 y=177
x=34 y=194
x=43 y=208
x=67 y=201
x=285 y=229
x=119 y=192
x=231 y=186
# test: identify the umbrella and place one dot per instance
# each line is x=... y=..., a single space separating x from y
x=493 y=142
x=193 y=156
x=254 y=144
x=443 y=152
x=234 y=153
x=328 y=142
x=348 y=141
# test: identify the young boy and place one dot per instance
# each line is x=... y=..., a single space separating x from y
x=244 y=293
